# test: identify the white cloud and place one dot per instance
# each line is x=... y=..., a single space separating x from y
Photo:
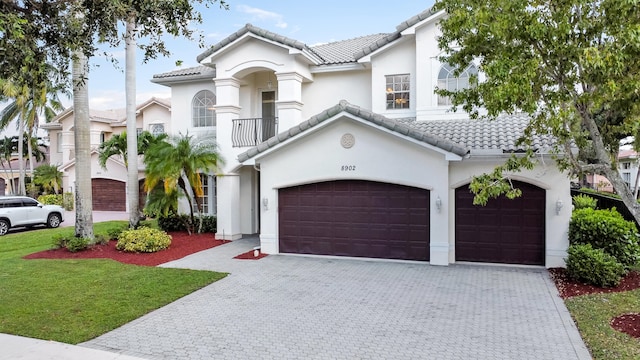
x=263 y=15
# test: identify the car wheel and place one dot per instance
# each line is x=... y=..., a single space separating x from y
x=4 y=227
x=53 y=221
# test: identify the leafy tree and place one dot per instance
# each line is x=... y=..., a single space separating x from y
x=49 y=177
x=177 y=164
x=571 y=65
x=55 y=31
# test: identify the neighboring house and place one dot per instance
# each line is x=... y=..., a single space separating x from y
x=10 y=172
x=628 y=167
x=108 y=186
x=345 y=149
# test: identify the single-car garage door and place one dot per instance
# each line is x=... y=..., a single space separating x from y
x=355 y=218
x=503 y=231
x=109 y=195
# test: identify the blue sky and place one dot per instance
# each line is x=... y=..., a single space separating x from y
x=311 y=22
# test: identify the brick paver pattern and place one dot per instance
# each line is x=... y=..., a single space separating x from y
x=294 y=307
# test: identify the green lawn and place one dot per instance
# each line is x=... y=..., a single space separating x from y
x=76 y=300
x=593 y=313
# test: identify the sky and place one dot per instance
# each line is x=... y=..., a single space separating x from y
x=311 y=22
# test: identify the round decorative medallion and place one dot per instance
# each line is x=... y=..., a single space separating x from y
x=347 y=141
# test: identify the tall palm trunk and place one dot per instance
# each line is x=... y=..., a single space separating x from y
x=21 y=185
x=30 y=156
x=84 y=206
x=132 y=138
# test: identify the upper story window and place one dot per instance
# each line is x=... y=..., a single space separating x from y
x=59 y=142
x=157 y=129
x=448 y=81
x=398 y=88
x=202 y=109
x=103 y=137
x=626 y=165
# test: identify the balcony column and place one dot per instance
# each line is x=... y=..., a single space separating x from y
x=227 y=109
x=228 y=185
x=289 y=103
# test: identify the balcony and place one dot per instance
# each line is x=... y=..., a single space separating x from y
x=251 y=132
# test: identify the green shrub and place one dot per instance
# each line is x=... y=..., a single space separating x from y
x=143 y=240
x=51 y=199
x=607 y=230
x=67 y=201
x=174 y=222
x=114 y=232
x=583 y=201
x=593 y=266
x=71 y=243
x=209 y=224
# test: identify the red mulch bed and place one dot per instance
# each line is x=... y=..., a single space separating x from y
x=628 y=324
x=182 y=244
x=567 y=287
x=250 y=255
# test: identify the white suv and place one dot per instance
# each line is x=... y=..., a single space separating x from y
x=16 y=211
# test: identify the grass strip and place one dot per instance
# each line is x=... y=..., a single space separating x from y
x=73 y=301
x=593 y=315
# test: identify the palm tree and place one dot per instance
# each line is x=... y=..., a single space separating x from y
x=132 y=142
x=48 y=176
x=40 y=98
x=177 y=164
x=8 y=147
x=84 y=198
x=117 y=146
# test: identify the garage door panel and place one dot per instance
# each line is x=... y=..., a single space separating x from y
x=108 y=195
x=503 y=231
x=365 y=219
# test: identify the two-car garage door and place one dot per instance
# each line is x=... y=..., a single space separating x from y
x=355 y=218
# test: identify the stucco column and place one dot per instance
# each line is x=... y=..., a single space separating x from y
x=228 y=185
x=228 y=196
x=227 y=110
x=289 y=103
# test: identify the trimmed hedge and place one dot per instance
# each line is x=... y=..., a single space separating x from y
x=51 y=199
x=584 y=201
x=606 y=230
x=174 y=222
x=143 y=239
x=593 y=266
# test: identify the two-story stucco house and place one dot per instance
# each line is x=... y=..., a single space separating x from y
x=109 y=186
x=344 y=149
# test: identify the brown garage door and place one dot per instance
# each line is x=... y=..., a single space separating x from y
x=108 y=195
x=503 y=231
x=355 y=218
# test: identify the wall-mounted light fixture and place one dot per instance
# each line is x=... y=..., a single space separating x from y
x=559 y=205
x=265 y=203
x=438 y=203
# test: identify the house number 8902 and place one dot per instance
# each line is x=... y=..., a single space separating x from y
x=348 y=168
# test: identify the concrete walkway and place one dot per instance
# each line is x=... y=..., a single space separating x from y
x=291 y=307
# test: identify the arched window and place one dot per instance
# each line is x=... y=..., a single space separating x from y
x=202 y=109
x=447 y=80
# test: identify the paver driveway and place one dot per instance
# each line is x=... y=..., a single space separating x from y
x=295 y=307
